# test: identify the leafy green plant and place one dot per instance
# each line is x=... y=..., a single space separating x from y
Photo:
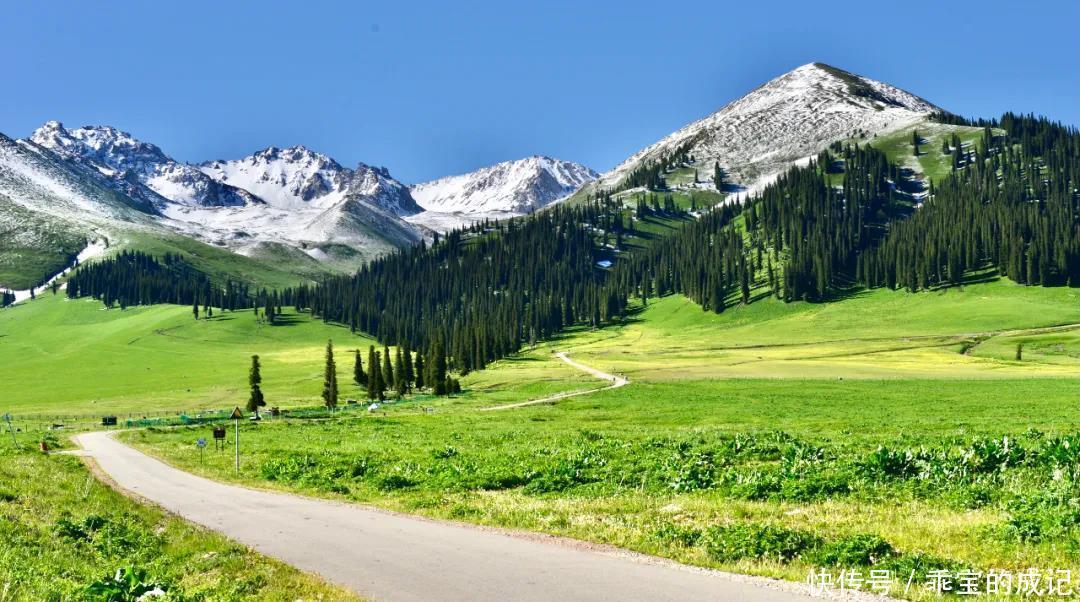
x=728 y=543
x=128 y=584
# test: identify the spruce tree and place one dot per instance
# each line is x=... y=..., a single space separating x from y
x=256 y=400
x=387 y=369
x=400 y=383
x=410 y=375
x=421 y=370
x=359 y=377
x=438 y=369
x=373 y=374
x=330 y=388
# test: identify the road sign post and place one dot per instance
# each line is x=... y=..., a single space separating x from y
x=7 y=419
x=201 y=444
x=236 y=416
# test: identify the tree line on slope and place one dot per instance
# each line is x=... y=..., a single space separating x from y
x=1012 y=205
x=849 y=218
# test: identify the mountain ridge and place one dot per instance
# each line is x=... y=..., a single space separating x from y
x=787 y=119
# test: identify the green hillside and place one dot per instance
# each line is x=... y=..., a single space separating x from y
x=72 y=356
x=967 y=332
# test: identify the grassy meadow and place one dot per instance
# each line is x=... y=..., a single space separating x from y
x=883 y=430
x=72 y=356
x=64 y=535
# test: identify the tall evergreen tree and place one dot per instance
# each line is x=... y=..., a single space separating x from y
x=256 y=399
x=387 y=369
x=330 y=388
x=400 y=382
x=359 y=376
x=373 y=377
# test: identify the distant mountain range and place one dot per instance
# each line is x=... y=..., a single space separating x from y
x=98 y=181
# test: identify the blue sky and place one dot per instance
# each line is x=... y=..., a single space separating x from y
x=430 y=88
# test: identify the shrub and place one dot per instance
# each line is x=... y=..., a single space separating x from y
x=691 y=472
x=447 y=452
x=885 y=463
x=1044 y=515
x=678 y=535
x=856 y=550
x=128 y=584
x=728 y=543
x=80 y=530
x=578 y=469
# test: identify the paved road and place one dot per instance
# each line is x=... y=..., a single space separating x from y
x=386 y=556
x=616 y=382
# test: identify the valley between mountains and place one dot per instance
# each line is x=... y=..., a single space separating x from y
x=830 y=327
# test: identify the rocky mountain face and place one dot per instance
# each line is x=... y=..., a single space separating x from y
x=137 y=168
x=789 y=118
x=521 y=186
x=296 y=177
x=292 y=197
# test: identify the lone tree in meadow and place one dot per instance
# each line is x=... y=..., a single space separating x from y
x=359 y=376
x=330 y=390
x=256 y=400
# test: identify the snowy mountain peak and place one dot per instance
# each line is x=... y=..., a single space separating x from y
x=138 y=169
x=520 y=186
x=790 y=117
x=296 y=178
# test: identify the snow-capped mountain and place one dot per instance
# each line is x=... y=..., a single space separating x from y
x=293 y=200
x=789 y=118
x=296 y=178
x=521 y=186
x=137 y=168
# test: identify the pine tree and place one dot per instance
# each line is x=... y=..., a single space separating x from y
x=256 y=400
x=420 y=371
x=410 y=375
x=373 y=377
x=359 y=377
x=400 y=383
x=387 y=369
x=330 y=388
x=438 y=369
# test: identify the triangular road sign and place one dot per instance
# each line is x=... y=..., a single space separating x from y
x=236 y=414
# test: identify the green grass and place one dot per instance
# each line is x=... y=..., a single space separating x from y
x=886 y=418
x=61 y=531
x=879 y=334
x=72 y=356
x=793 y=429
x=931 y=163
x=32 y=247
x=277 y=267
x=657 y=467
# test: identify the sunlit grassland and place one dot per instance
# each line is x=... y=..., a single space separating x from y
x=61 y=531
x=880 y=334
x=620 y=466
x=72 y=356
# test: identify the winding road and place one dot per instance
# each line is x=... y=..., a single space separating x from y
x=388 y=556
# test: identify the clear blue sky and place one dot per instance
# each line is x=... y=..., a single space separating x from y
x=429 y=89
